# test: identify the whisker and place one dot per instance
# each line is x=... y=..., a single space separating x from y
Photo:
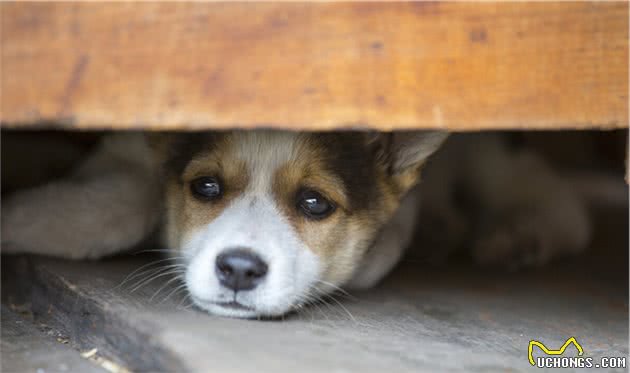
x=337 y=288
x=343 y=307
x=149 y=272
x=175 y=291
x=151 y=279
x=331 y=297
x=139 y=269
x=189 y=305
x=175 y=278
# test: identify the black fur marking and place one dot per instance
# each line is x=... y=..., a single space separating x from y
x=348 y=156
x=183 y=147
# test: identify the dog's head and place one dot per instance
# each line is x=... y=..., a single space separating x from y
x=268 y=220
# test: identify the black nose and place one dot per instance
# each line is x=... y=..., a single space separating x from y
x=240 y=270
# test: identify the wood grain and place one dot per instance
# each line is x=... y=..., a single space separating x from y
x=452 y=65
x=25 y=348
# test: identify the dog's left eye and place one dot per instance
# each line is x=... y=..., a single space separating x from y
x=314 y=205
x=206 y=188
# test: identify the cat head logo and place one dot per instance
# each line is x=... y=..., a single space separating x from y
x=547 y=351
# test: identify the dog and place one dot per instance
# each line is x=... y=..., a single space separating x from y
x=266 y=221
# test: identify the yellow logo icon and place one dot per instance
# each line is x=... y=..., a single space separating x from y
x=547 y=351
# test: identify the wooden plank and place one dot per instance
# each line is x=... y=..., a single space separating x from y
x=454 y=65
x=89 y=313
x=27 y=349
x=429 y=320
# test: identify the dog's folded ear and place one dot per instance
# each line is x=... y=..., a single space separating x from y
x=158 y=141
x=404 y=151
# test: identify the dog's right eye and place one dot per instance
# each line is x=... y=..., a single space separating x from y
x=314 y=205
x=206 y=188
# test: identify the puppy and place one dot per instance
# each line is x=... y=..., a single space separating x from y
x=265 y=221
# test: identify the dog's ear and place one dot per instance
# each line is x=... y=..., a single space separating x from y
x=169 y=148
x=404 y=151
x=158 y=141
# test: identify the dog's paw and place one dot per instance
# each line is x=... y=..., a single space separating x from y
x=78 y=220
x=27 y=222
x=443 y=231
x=530 y=240
x=35 y=221
x=513 y=246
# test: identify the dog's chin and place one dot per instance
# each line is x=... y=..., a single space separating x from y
x=240 y=313
x=227 y=309
x=237 y=310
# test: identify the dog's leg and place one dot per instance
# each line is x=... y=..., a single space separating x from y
x=389 y=246
x=442 y=225
x=109 y=204
x=527 y=214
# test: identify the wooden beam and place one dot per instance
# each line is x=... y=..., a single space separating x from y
x=455 y=65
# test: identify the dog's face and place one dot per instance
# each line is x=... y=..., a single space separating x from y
x=268 y=220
